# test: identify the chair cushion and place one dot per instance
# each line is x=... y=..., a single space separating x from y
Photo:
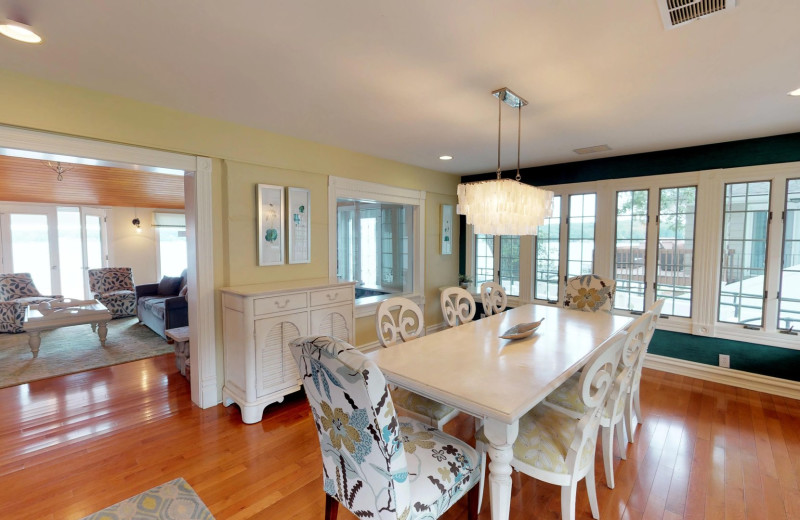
x=169 y=285
x=33 y=300
x=16 y=285
x=12 y=315
x=119 y=303
x=544 y=439
x=407 y=400
x=568 y=395
x=445 y=462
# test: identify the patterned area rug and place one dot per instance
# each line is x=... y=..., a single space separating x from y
x=75 y=349
x=174 y=500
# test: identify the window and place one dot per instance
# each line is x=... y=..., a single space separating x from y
x=744 y=246
x=789 y=295
x=675 y=249
x=171 y=237
x=548 y=251
x=374 y=246
x=580 y=224
x=630 y=253
x=502 y=251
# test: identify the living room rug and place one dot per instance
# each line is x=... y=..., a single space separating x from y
x=175 y=500
x=75 y=349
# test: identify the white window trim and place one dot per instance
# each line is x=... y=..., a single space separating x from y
x=705 y=287
x=340 y=187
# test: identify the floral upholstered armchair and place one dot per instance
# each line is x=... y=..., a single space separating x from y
x=375 y=464
x=590 y=293
x=17 y=291
x=113 y=287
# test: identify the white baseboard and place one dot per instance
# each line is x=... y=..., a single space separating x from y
x=726 y=376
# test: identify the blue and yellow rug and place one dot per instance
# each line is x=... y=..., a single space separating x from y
x=175 y=500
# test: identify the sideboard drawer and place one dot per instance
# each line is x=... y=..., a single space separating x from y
x=284 y=302
x=333 y=295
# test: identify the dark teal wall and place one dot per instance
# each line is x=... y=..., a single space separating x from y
x=750 y=357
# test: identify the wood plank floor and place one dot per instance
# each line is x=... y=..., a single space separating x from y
x=72 y=445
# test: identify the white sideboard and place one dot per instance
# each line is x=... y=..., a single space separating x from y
x=258 y=323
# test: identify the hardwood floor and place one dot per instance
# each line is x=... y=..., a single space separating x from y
x=72 y=445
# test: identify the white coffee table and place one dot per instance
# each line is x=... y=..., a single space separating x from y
x=94 y=314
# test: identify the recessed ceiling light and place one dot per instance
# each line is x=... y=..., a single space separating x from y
x=19 y=31
x=445 y=157
x=795 y=92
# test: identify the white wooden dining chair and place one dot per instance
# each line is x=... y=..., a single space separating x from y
x=398 y=320
x=458 y=306
x=493 y=298
x=558 y=448
x=566 y=398
x=632 y=406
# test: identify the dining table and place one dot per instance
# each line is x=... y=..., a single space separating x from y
x=498 y=380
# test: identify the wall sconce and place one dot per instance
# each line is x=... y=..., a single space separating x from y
x=137 y=224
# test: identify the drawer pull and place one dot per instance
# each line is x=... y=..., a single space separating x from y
x=331 y=297
x=285 y=303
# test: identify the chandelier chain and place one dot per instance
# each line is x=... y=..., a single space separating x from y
x=499 y=121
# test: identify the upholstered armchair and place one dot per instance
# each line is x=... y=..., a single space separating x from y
x=113 y=287
x=12 y=316
x=590 y=293
x=19 y=287
x=374 y=463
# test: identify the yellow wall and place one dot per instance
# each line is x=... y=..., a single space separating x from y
x=241 y=158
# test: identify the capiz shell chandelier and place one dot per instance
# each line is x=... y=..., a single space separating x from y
x=504 y=206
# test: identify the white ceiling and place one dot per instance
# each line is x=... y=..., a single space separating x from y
x=410 y=80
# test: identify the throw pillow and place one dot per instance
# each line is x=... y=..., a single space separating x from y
x=169 y=286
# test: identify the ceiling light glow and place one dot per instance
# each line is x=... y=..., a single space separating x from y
x=19 y=31
x=795 y=92
x=445 y=157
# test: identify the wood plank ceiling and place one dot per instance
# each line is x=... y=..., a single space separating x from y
x=30 y=180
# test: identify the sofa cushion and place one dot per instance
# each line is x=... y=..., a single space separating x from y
x=169 y=285
x=153 y=304
x=12 y=315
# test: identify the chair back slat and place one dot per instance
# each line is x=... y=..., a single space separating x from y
x=458 y=306
x=398 y=319
x=493 y=298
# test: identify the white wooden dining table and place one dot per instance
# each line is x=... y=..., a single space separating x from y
x=498 y=380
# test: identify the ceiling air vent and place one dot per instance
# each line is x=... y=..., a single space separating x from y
x=679 y=12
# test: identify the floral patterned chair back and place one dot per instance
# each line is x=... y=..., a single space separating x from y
x=365 y=448
x=19 y=287
x=493 y=298
x=590 y=293
x=113 y=287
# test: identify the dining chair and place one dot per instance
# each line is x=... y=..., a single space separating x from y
x=493 y=298
x=374 y=463
x=632 y=405
x=589 y=293
x=566 y=398
x=458 y=306
x=558 y=448
x=398 y=320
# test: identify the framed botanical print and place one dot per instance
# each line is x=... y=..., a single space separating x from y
x=270 y=224
x=447 y=229
x=299 y=226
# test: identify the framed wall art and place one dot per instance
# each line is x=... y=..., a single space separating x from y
x=447 y=229
x=270 y=224
x=299 y=226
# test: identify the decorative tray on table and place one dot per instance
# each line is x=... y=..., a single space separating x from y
x=523 y=330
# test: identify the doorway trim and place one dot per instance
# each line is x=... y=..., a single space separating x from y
x=198 y=203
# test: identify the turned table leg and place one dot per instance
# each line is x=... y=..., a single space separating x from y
x=34 y=340
x=102 y=331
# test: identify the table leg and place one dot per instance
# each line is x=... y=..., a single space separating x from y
x=94 y=327
x=501 y=437
x=102 y=331
x=34 y=340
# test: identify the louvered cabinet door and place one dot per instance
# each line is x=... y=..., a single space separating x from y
x=275 y=366
x=334 y=321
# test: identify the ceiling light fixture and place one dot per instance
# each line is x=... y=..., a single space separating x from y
x=505 y=206
x=19 y=31
x=59 y=168
x=795 y=92
x=445 y=157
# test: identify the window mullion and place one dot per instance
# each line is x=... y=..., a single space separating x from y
x=775 y=237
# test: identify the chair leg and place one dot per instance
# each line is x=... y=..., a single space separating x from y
x=608 y=454
x=568 y=494
x=482 y=450
x=591 y=490
x=636 y=405
x=622 y=439
x=472 y=502
x=631 y=426
x=331 y=507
